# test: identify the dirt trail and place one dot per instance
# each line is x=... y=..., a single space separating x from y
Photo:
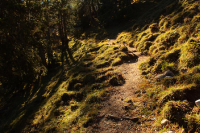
x=113 y=117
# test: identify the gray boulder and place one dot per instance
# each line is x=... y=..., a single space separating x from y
x=161 y=76
x=167 y=74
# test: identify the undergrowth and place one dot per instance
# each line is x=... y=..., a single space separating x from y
x=68 y=99
x=172 y=42
x=174 y=47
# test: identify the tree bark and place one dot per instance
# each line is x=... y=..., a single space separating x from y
x=61 y=33
x=67 y=40
x=42 y=55
x=49 y=50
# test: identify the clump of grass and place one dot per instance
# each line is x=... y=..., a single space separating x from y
x=183 y=39
x=168 y=66
x=175 y=111
x=173 y=55
x=78 y=90
x=153 y=28
x=111 y=55
x=195 y=69
x=117 y=61
x=144 y=48
x=193 y=123
x=175 y=46
x=189 y=54
x=124 y=38
x=193 y=120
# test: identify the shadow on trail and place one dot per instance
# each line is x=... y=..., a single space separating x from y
x=135 y=60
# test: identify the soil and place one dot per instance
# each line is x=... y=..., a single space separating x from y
x=114 y=117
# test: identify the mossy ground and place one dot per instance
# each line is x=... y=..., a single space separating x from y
x=67 y=98
x=173 y=44
x=171 y=39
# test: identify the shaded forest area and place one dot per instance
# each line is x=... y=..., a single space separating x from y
x=34 y=39
x=31 y=31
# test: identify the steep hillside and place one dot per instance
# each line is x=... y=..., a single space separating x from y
x=68 y=98
x=173 y=42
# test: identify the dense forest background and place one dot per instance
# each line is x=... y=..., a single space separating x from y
x=35 y=36
x=32 y=29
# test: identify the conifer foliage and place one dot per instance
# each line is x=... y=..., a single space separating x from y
x=28 y=31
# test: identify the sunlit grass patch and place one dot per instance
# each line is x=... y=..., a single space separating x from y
x=190 y=54
x=68 y=98
x=80 y=89
x=124 y=38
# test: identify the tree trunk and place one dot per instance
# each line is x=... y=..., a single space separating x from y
x=67 y=40
x=49 y=51
x=93 y=9
x=61 y=33
x=42 y=55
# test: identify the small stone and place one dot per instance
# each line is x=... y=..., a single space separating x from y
x=164 y=122
x=144 y=116
x=183 y=131
x=169 y=132
x=198 y=102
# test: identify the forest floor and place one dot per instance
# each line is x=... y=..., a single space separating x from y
x=114 y=116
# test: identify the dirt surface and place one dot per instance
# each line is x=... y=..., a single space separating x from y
x=114 y=116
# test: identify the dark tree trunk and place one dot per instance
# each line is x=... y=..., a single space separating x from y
x=61 y=33
x=67 y=40
x=93 y=9
x=42 y=55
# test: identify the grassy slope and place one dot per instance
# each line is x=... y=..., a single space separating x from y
x=172 y=41
x=66 y=100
